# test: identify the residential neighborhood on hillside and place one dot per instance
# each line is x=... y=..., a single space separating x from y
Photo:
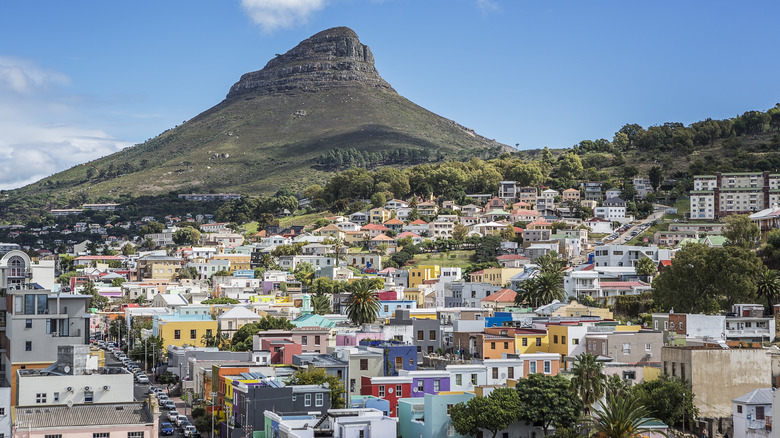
x=404 y=318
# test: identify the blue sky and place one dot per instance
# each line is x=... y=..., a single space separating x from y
x=83 y=79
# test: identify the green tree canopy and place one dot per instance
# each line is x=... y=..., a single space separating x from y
x=363 y=304
x=620 y=417
x=667 y=398
x=707 y=280
x=186 y=236
x=242 y=338
x=547 y=400
x=588 y=380
x=493 y=413
x=741 y=231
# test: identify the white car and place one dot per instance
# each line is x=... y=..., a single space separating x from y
x=180 y=419
x=172 y=414
x=189 y=430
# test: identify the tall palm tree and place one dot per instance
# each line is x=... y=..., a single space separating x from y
x=621 y=417
x=320 y=303
x=363 y=304
x=768 y=286
x=589 y=380
x=550 y=262
x=646 y=267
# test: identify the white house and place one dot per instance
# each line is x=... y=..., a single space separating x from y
x=752 y=413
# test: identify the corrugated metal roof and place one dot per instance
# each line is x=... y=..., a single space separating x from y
x=760 y=396
x=82 y=415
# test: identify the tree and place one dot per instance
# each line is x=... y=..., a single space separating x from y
x=621 y=417
x=221 y=300
x=656 y=177
x=588 y=380
x=569 y=167
x=707 y=280
x=320 y=304
x=547 y=284
x=116 y=282
x=547 y=400
x=493 y=413
x=98 y=301
x=768 y=287
x=487 y=249
x=617 y=387
x=318 y=376
x=667 y=398
x=741 y=231
x=363 y=304
x=304 y=272
x=378 y=200
x=242 y=338
x=459 y=232
x=646 y=267
x=168 y=378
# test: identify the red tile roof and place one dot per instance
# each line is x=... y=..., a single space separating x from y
x=503 y=296
x=394 y=221
x=620 y=284
x=374 y=227
x=511 y=257
x=418 y=222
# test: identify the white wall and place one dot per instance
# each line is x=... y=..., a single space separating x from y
x=120 y=388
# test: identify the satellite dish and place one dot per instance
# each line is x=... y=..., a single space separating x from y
x=69 y=403
x=326 y=385
x=390 y=390
x=66 y=369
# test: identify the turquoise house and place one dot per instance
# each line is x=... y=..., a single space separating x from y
x=429 y=416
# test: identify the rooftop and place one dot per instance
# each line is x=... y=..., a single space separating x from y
x=61 y=416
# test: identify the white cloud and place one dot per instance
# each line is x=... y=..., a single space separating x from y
x=275 y=14
x=487 y=6
x=41 y=131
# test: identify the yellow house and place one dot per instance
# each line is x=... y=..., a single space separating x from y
x=164 y=270
x=414 y=294
x=237 y=261
x=575 y=309
x=628 y=328
x=531 y=341
x=184 y=329
x=495 y=276
x=229 y=389
x=330 y=231
x=353 y=238
x=419 y=274
x=379 y=215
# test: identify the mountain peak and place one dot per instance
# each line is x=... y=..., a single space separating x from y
x=332 y=58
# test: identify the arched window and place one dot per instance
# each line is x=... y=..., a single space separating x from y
x=17 y=265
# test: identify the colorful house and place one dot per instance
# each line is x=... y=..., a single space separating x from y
x=179 y=329
x=419 y=274
x=387 y=388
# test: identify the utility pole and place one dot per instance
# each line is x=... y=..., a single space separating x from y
x=213 y=395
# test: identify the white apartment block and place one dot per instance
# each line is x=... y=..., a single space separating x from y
x=719 y=195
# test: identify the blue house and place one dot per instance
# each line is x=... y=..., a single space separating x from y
x=397 y=355
x=369 y=401
x=387 y=308
x=429 y=416
x=498 y=319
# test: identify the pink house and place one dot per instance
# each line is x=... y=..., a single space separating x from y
x=282 y=350
x=353 y=338
x=311 y=339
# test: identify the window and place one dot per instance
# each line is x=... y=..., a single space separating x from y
x=547 y=367
x=555 y=339
x=28 y=346
x=28 y=323
x=55 y=397
x=666 y=325
x=674 y=368
x=363 y=364
x=525 y=342
x=40 y=397
x=318 y=399
x=304 y=340
x=563 y=340
x=492 y=345
x=458 y=379
x=208 y=335
x=538 y=342
x=307 y=400
x=506 y=345
x=399 y=391
x=495 y=372
x=421 y=385
x=101 y=435
x=629 y=375
x=89 y=397
x=575 y=341
x=759 y=412
x=177 y=334
x=399 y=361
x=510 y=372
x=411 y=362
x=193 y=334
x=532 y=367
x=473 y=379
x=739 y=409
x=682 y=371
x=53 y=436
x=420 y=335
x=381 y=390
x=317 y=340
x=436 y=385
x=432 y=335
x=430 y=349
x=135 y=435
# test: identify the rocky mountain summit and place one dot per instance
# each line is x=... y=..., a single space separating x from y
x=332 y=58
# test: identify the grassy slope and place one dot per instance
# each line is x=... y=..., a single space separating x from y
x=461 y=260
x=268 y=145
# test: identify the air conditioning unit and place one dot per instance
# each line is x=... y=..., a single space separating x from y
x=69 y=389
x=106 y=387
x=87 y=388
x=649 y=354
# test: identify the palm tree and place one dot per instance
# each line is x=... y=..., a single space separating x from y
x=550 y=262
x=589 y=381
x=363 y=304
x=646 y=267
x=768 y=286
x=320 y=303
x=621 y=417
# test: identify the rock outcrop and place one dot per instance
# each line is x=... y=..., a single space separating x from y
x=331 y=58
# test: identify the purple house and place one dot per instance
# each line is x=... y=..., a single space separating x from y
x=428 y=382
x=354 y=338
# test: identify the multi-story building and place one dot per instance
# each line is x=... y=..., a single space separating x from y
x=642 y=186
x=719 y=195
x=507 y=191
x=593 y=191
x=528 y=195
x=627 y=256
x=571 y=195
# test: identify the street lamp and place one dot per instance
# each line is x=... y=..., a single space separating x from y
x=213 y=399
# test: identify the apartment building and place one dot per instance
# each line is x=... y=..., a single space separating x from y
x=715 y=196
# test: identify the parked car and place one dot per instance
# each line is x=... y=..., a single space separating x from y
x=172 y=414
x=190 y=431
x=166 y=428
x=184 y=425
x=169 y=404
x=142 y=379
x=180 y=419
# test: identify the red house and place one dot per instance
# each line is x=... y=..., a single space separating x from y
x=390 y=388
